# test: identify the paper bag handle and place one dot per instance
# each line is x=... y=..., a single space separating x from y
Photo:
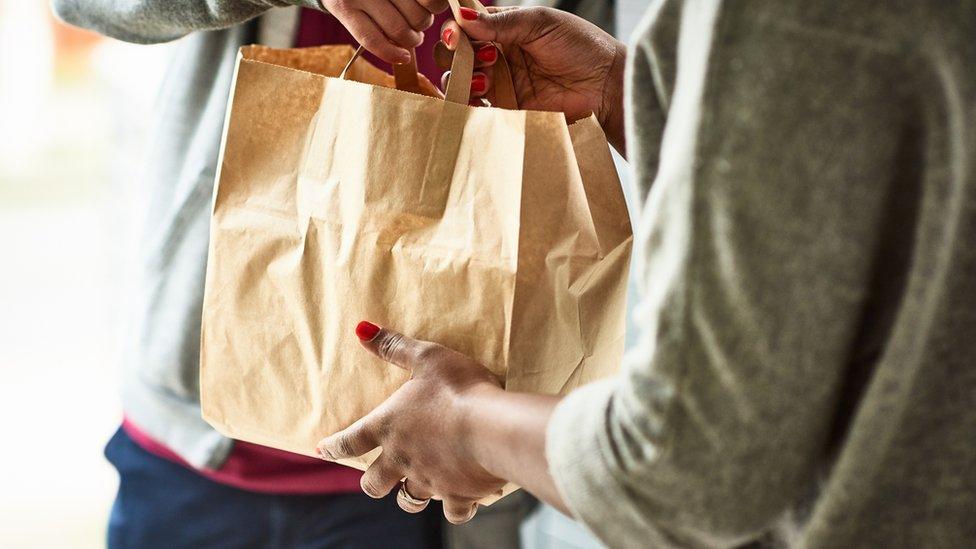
x=462 y=69
x=404 y=74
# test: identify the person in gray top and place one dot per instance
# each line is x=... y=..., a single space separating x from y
x=806 y=365
x=161 y=502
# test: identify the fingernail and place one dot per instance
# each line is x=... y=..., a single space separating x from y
x=479 y=83
x=469 y=14
x=366 y=331
x=487 y=53
x=447 y=35
x=403 y=57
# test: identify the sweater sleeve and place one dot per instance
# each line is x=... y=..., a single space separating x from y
x=154 y=21
x=758 y=247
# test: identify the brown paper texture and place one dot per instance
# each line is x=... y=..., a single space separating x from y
x=500 y=233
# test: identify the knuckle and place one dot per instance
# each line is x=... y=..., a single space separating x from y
x=384 y=427
x=423 y=22
x=536 y=13
x=506 y=19
x=371 y=40
x=539 y=17
x=403 y=33
x=433 y=6
x=419 y=487
x=344 y=445
x=523 y=24
x=426 y=352
x=390 y=346
x=401 y=461
x=339 y=8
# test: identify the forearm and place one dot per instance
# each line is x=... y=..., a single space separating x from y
x=152 y=21
x=507 y=435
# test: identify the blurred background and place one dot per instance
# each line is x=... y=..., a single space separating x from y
x=72 y=119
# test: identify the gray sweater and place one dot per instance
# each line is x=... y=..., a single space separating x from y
x=160 y=388
x=807 y=353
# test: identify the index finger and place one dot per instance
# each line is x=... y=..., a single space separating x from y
x=451 y=28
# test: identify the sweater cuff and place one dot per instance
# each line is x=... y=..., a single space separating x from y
x=580 y=458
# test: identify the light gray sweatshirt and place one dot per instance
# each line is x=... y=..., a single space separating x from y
x=160 y=369
x=807 y=346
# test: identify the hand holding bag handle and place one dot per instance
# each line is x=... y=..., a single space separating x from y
x=462 y=69
x=404 y=74
x=449 y=124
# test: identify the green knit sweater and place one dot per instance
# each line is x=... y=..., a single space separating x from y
x=807 y=355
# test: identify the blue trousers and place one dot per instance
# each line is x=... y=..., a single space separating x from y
x=162 y=504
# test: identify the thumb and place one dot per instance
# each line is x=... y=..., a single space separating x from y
x=393 y=347
x=505 y=26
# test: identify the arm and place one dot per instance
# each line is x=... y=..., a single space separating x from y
x=153 y=21
x=385 y=27
x=507 y=434
x=757 y=267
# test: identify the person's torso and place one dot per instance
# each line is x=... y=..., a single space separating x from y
x=899 y=466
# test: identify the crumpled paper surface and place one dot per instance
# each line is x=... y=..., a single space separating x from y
x=500 y=233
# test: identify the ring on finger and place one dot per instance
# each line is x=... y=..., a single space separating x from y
x=414 y=502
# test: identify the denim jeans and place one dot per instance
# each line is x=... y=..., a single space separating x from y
x=165 y=505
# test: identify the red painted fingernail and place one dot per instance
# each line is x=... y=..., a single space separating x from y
x=447 y=35
x=366 y=331
x=487 y=53
x=469 y=14
x=479 y=83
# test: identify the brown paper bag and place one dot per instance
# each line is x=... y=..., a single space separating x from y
x=500 y=233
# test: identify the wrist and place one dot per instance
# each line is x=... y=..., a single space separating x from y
x=472 y=436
